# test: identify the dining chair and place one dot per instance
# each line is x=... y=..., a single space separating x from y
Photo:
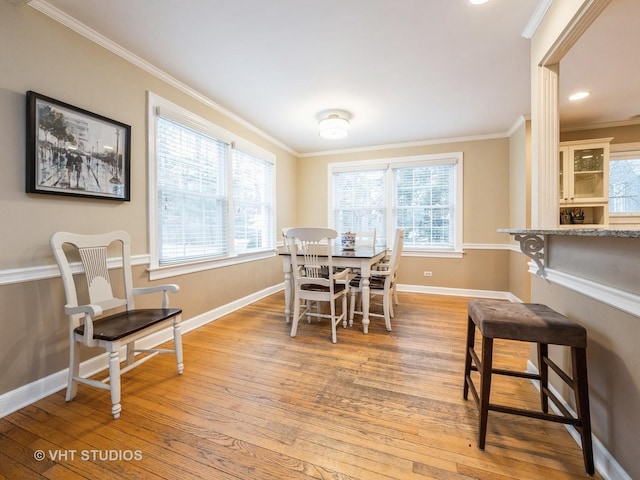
x=314 y=277
x=366 y=239
x=93 y=324
x=381 y=283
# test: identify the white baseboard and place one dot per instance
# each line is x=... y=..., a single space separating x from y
x=27 y=394
x=605 y=464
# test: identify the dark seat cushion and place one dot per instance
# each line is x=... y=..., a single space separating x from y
x=119 y=325
x=528 y=322
x=375 y=283
x=314 y=287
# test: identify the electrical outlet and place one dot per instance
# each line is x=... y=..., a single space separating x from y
x=428 y=274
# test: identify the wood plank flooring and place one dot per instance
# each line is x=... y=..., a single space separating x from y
x=254 y=403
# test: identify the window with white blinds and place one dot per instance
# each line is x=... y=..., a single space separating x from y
x=210 y=202
x=253 y=193
x=192 y=193
x=422 y=194
x=359 y=203
x=425 y=205
x=624 y=183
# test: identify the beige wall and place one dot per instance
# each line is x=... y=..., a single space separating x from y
x=42 y=55
x=520 y=207
x=486 y=208
x=614 y=371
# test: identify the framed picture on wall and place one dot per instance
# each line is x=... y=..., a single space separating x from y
x=71 y=151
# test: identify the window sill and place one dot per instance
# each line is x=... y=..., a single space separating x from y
x=166 y=271
x=629 y=219
x=407 y=252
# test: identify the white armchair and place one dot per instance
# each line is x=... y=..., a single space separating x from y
x=88 y=324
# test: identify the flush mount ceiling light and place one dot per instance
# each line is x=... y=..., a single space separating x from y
x=477 y=2
x=333 y=124
x=579 y=96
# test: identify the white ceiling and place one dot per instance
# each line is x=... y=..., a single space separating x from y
x=406 y=70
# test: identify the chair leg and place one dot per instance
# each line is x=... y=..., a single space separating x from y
x=387 y=309
x=344 y=310
x=74 y=370
x=485 y=388
x=581 y=388
x=131 y=351
x=177 y=343
x=334 y=321
x=543 y=369
x=471 y=338
x=114 y=380
x=296 y=315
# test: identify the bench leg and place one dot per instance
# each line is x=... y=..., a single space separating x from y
x=581 y=384
x=471 y=338
x=485 y=388
x=543 y=369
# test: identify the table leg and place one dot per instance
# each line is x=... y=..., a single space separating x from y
x=365 y=303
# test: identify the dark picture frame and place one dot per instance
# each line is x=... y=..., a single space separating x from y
x=74 y=152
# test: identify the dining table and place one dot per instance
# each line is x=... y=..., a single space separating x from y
x=360 y=259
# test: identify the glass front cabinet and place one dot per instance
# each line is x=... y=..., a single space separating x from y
x=584 y=182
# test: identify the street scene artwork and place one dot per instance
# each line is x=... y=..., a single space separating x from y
x=71 y=151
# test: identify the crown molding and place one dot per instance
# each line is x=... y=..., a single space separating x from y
x=536 y=18
x=389 y=146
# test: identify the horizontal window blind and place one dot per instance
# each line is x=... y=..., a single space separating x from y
x=253 y=202
x=193 y=198
x=425 y=205
x=624 y=183
x=359 y=203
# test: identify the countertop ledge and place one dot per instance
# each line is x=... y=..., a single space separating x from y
x=578 y=232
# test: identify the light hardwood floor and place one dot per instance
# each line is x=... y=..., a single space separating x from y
x=254 y=403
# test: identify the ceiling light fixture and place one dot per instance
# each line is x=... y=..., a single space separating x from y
x=477 y=2
x=579 y=96
x=333 y=125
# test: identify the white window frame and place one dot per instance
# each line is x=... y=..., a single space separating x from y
x=156 y=104
x=620 y=151
x=389 y=164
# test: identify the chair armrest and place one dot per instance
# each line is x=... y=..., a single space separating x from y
x=342 y=275
x=88 y=311
x=91 y=310
x=169 y=287
x=165 y=289
x=381 y=273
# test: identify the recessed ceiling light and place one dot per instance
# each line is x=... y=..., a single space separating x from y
x=477 y=2
x=579 y=96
